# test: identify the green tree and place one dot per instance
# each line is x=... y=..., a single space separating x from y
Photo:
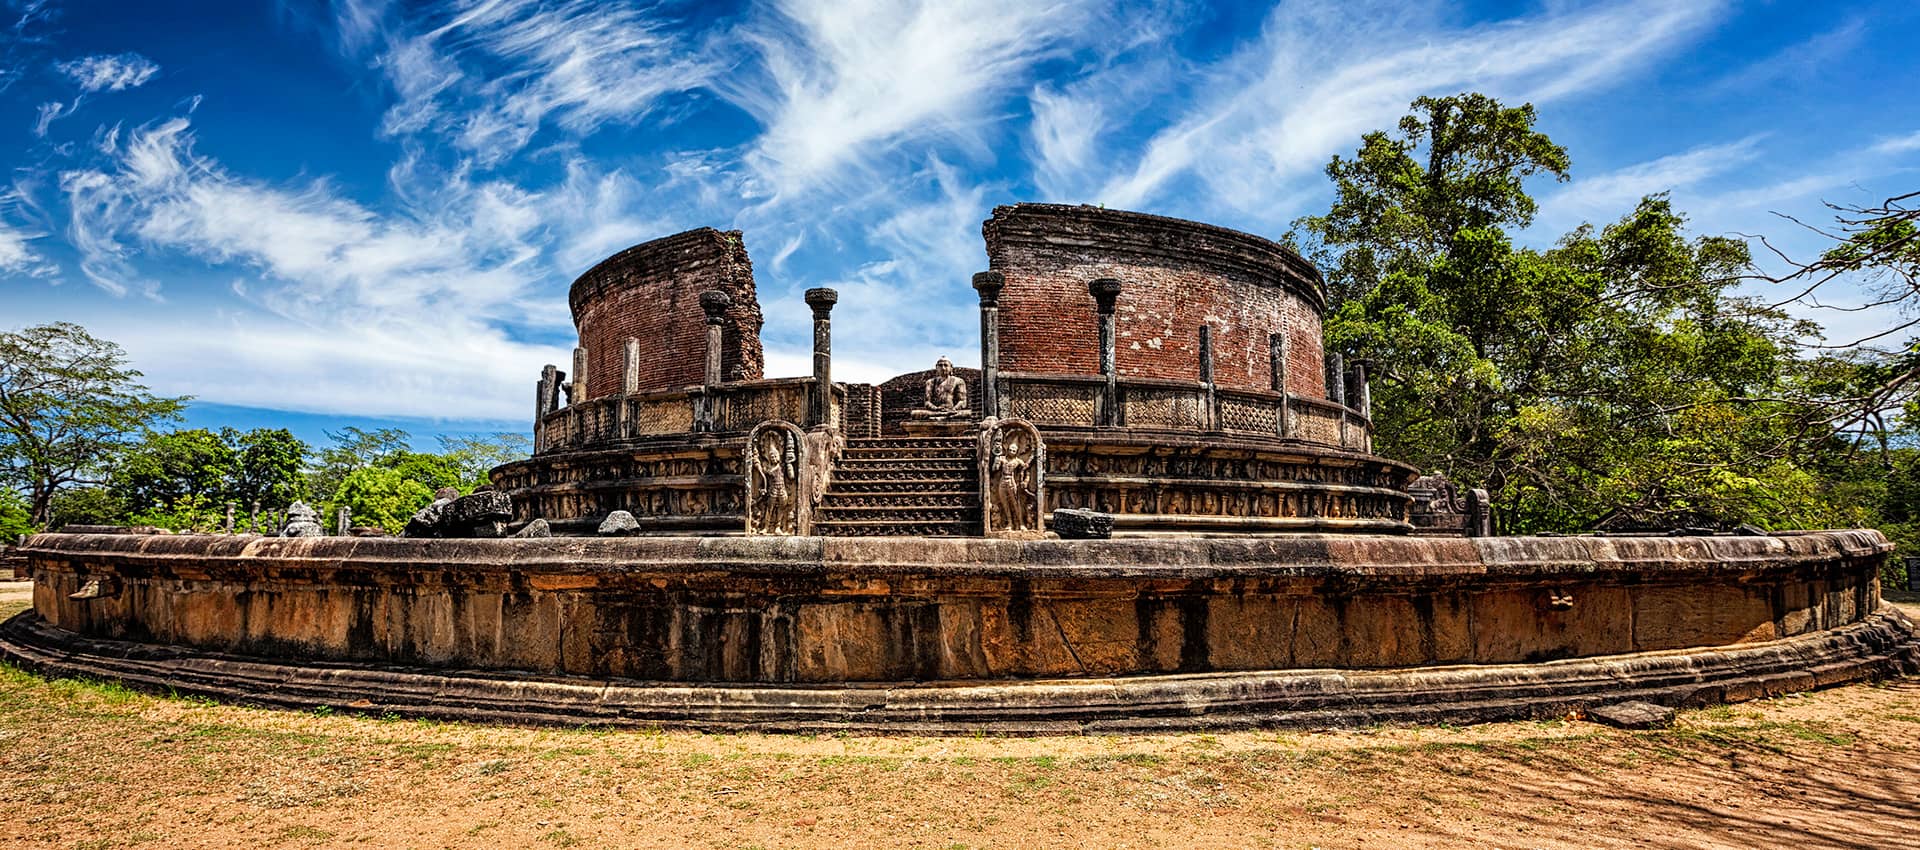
x=173 y=466
x=353 y=448
x=380 y=496
x=268 y=464
x=85 y=506
x=1614 y=378
x=68 y=403
x=1397 y=207
x=474 y=457
x=14 y=518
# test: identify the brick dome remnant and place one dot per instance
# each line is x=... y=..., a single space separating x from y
x=1177 y=276
x=651 y=293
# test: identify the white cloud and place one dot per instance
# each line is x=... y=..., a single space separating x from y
x=403 y=315
x=841 y=82
x=49 y=113
x=573 y=65
x=17 y=255
x=1604 y=197
x=1897 y=144
x=109 y=73
x=1323 y=73
x=1801 y=60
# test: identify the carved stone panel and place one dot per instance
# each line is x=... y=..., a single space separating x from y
x=775 y=462
x=1012 y=496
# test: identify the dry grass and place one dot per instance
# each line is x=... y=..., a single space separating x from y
x=86 y=765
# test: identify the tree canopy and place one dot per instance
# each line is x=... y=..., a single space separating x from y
x=68 y=403
x=1616 y=378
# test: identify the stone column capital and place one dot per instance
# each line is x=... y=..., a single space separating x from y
x=1105 y=291
x=715 y=303
x=822 y=299
x=989 y=284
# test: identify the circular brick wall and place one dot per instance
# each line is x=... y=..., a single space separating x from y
x=651 y=292
x=1176 y=276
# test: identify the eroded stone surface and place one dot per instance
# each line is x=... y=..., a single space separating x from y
x=810 y=609
x=1633 y=715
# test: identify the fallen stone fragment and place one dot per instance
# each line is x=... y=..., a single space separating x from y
x=1079 y=524
x=536 y=528
x=446 y=493
x=1633 y=715
x=475 y=510
x=619 y=523
x=368 y=531
x=426 y=521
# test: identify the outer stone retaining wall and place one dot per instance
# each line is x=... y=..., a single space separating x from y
x=814 y=610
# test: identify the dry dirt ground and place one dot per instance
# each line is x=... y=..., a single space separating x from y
x=95 y=766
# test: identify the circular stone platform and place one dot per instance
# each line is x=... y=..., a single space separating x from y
x=965 y=634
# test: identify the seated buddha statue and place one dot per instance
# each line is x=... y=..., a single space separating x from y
x=946 y=395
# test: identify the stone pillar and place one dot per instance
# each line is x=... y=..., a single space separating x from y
x=228 y=528
x=343 y=521
x=1277 y=373
x=715 y=303
x=543 y=402
x=1209 y=406
x=1105 y=292
x=1336 y=378
x=989 y=284
x=1358 y=390
x=577 y=390
x=822 y=300
x=630 y=366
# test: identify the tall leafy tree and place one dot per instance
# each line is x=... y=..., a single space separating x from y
x=68 y=402
x=1614 y=378
x=474 y=457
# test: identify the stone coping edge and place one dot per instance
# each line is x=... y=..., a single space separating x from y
x=1307 y=555
x=1884 y=645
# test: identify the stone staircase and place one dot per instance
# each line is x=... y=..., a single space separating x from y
x=890 y=486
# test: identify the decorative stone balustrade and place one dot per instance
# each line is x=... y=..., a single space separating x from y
x=1078 y=401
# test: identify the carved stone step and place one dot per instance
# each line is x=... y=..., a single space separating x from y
x=862 y=452
x=881 y=498
x=842 y=528
x=904 y=463
x=908 y=511
x=948 y=475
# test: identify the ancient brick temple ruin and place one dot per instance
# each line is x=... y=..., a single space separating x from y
x=1165 y=372
x=808 y=552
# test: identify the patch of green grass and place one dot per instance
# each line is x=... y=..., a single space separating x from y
x=560 y=838
x=302 y=832
x=495 y=767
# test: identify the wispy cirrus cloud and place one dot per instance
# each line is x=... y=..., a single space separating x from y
x=837 y=84
x=1323 y=73
x=117 y=72
x=18 y=258
x=495 y=72
x=1606 y=196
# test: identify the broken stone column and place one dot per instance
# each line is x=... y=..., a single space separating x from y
x=989 y=284
x=343 y=521
x=1358 y=392
x=544 y=402
x=822 y=299
x=715 y=303
x=1209 y=408
x=630 y=366
x=577 y=388
x=1336 y=378
x=1105 y=292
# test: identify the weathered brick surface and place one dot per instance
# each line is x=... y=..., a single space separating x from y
x=1177 y=275
x=652 y=292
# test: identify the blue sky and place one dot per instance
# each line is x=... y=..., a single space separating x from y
x=360 y=212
